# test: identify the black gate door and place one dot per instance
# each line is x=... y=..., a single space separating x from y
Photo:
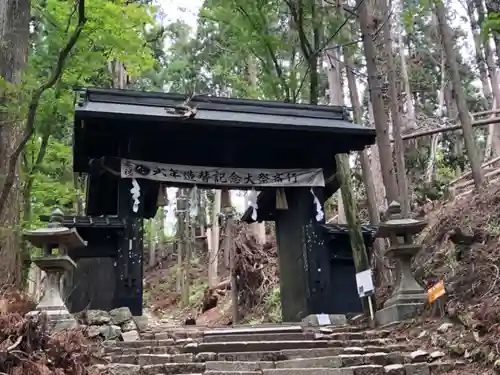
x=345 y=297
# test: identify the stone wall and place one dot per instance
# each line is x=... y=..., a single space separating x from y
x=117 y=324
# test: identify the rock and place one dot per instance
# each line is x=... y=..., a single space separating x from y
x=419 y=356
x=120 y=315
x=110 y=332
x=478 y=354
x=357 y=319
x=355 y=350
x=205 y=357
x=444 y=327
x=97 y=317
x=93 y=331
x=141 y=322
x=457 y=349
x=422 y=334
x=436 y=355
x=31 y=314
x=395 y=370
x=417 y=369
x=332 y=320
x=132 y=335
x=121 y=369
x=414 y=332
x=129 y=326
x=496 y=366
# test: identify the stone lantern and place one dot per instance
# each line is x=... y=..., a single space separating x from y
x=55 y=236
x=408 y=298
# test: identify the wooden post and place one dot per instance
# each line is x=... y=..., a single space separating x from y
x=359 y=254
x=182 y=250
x=230 y=248
x=152 y=243
x=225 y=203
x=213 y=257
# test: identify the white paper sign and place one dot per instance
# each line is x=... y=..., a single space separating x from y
x=244 y=177
x=323 y=319
x=364 y=282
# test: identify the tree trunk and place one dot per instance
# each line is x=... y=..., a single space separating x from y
x=365 y=160
x=14 y=42
x=258 y=229
x=178 y=241
x=380 y=117
x=213 y=255
x=376 y=168
x=396 y=118
x=493 y=144
x=336 y=97
x=463 y=113
x=371 y=198
x=350 y=208
x=432 y=161
x=229 y=240
x=225 y=201
x=182 y=205
x=410 y=107
x=478 y=50
x=452 y=113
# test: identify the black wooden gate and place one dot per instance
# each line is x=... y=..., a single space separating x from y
x=334 y=285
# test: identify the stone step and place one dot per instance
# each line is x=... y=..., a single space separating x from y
x=198 y=368
x=334 y=358
x=252 y=346
x=143 y=350
x=151 y=359
x=235 y=337
x=359 y=370
x=140 y=343
x=248 y=330
x=239 y=366
x=343 y=360
x=294 y=334
x=155 y=356
x=362 y=335
x=258 y=355
x=161 y=333
x=167 y=368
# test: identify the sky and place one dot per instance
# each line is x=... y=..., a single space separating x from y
x=186 y=10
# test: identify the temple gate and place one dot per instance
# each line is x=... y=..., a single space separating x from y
x=129 y=144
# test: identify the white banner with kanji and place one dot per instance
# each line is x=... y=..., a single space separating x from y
x=243 y=177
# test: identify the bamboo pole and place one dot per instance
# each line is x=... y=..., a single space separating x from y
x=468 y=174
x=230 y=247
x=424 y=133
x=468 y=183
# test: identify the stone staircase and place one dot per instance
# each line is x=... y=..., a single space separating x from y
x=272 y=350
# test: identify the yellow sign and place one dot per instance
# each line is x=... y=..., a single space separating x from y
x=436 y=291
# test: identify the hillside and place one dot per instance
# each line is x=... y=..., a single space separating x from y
x=257 y=270
x=460 y=246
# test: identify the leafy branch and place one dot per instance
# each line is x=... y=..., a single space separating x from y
x=35 y=100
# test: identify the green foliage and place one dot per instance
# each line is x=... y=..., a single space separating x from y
x=53 y=183
x=113 y=31
x=492 y=24
x=272 y=305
